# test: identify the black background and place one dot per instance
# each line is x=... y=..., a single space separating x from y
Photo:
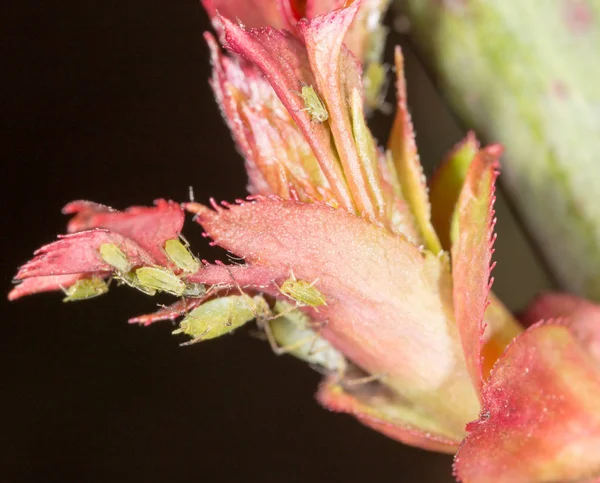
x=109 y=101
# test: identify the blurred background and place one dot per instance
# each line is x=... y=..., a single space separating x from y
x=109 y=101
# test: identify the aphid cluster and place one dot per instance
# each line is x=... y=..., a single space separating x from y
x=150 y=280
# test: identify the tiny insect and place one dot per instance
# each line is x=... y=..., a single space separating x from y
x=219 y=316
x=160 y=279
x=86 y=288
x=303 y=292
x=292 y=333
x=129 y=278
x=313 y=104
x=181 y=256
x=112 y=254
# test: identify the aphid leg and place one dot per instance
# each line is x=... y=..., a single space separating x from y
x=195 y=339
x=191 y=194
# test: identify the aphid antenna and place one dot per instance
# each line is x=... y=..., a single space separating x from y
x=184 y=239
x=195 y=340
x=191 y=194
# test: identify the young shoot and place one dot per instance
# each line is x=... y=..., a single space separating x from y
x=220 y=316
x=155 y=278
x=86 y=288
x=112 y=254
x=302 y=292
x=313 y=104
x=181 y=256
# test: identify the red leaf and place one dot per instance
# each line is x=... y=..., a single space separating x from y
x=148 y=226
x=78 y=253
x=540 y=420
x=35 y=285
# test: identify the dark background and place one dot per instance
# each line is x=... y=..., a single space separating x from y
x=109 y=101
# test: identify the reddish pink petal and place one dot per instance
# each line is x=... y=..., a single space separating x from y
x=541 y=419
x=35 y=285
x=472 y=255
x=78 y=253
x=149 y=227
x=338 y=78
x=376 y=408
x=283 y=60
x=583 y=317
x=252 y=13
x=403 y=148
x=384 y=307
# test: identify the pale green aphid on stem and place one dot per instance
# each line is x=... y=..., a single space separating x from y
x=160 y=279
x=313 y=104
x=303 y=292
x=293 y=334
x=220 y=316
x=181 y=256
x=84 y=289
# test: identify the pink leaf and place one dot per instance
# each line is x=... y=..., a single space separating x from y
x=79 y=253
x=35 y=285
x=384 y=307
x=149 y=226
x=540 y=420
x=471 y=255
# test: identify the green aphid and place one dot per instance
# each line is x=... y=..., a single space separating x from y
x=155 y=278
x=113 y=255
x=194 y=290
x=181 y=256
x=292 y=334
x=220 y=316
x=86 y=288
x=303 y=292
x=130 y=279
x=313 y=104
